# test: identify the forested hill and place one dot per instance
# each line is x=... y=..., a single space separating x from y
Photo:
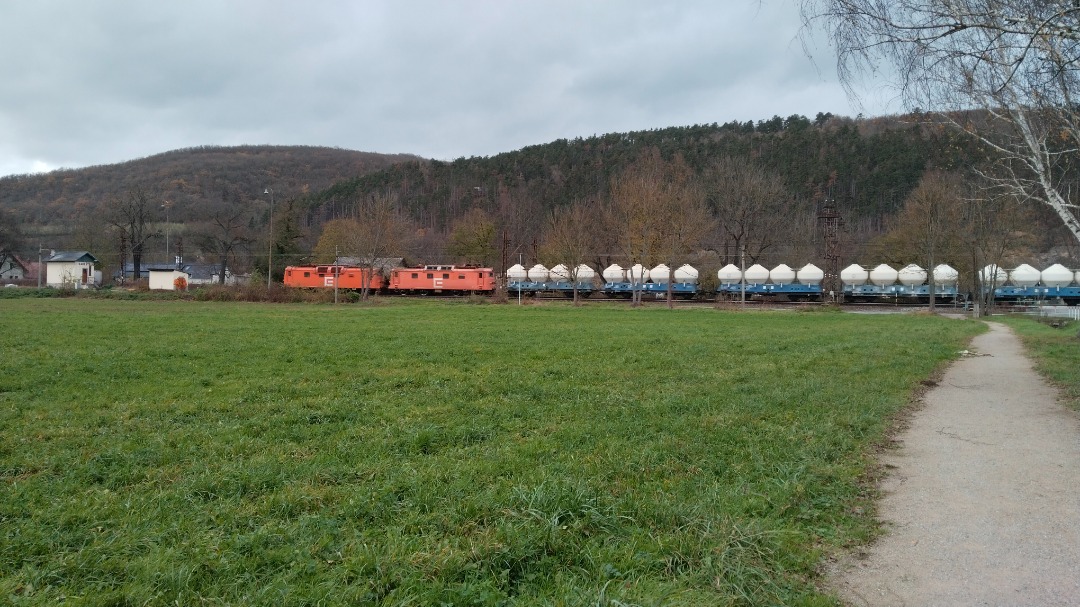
x=185 y=177
x=867 y=166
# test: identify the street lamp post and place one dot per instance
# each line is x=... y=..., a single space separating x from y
x=166 y=206
x=270 y=252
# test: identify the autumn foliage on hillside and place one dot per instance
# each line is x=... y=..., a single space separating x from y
x=186 y=178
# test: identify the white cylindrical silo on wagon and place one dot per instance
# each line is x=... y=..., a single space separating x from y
x=660 y=274
x=757 y=274
x=782 y=275
x=637 y=274
x=945 y=275
x=993 y=275
x=729 y=274
x=883 y=275
x=614 y=273
x=1024 y=275
x=516 y=273
x=854 y=275
x=810 y=275
x=538 y=273
x=686 y=275
x=911 y=275
x=1056 y=275
x=585 y=273
x=559 y=273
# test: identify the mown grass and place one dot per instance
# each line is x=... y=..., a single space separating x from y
x=425 y=454
x=1055 y=350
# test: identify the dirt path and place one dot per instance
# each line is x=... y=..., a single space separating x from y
x=982 y=500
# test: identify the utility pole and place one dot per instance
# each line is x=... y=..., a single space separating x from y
x=742 y=279
x=166 y=206
x=270 y=253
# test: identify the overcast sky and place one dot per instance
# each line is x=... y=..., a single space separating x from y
x=86 y=83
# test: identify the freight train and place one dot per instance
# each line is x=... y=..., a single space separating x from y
x=858 y=284
x=882 y=283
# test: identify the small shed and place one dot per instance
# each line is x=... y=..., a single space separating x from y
x=71 y=269
x=164 y=278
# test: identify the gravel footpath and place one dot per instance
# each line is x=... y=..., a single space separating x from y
x=982 y=499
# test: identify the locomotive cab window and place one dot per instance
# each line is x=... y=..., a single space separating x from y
x=307 y=274
x=461 y=277
x=415 y=275
x=446 y=276
x=430 y=275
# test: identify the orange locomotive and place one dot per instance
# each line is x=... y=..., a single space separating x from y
x=323 y=277
x=442 y=279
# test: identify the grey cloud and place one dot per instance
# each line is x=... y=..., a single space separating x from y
x=93 y=83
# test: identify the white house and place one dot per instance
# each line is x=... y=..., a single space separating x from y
x=11 y=267
x=71 y=269
x=163 y=278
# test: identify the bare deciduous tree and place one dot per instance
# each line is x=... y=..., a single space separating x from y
x=384 y=230
x=130 y=216
x=751 y=206
x=929 y=227
x=658 y=213
x=379 y=230
x=569 y=239
x=990 y=227
x=1018 y=61
x=636 y=196
x=226 y=231
x=687 y=221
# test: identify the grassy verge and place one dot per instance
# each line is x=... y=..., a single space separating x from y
x=425 y=454
x=1055 y=350
x=251 y=292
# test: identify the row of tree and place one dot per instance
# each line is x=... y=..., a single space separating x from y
x=946 y=219
x=656 y=210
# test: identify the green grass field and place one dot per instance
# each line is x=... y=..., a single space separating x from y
x=425 y=453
